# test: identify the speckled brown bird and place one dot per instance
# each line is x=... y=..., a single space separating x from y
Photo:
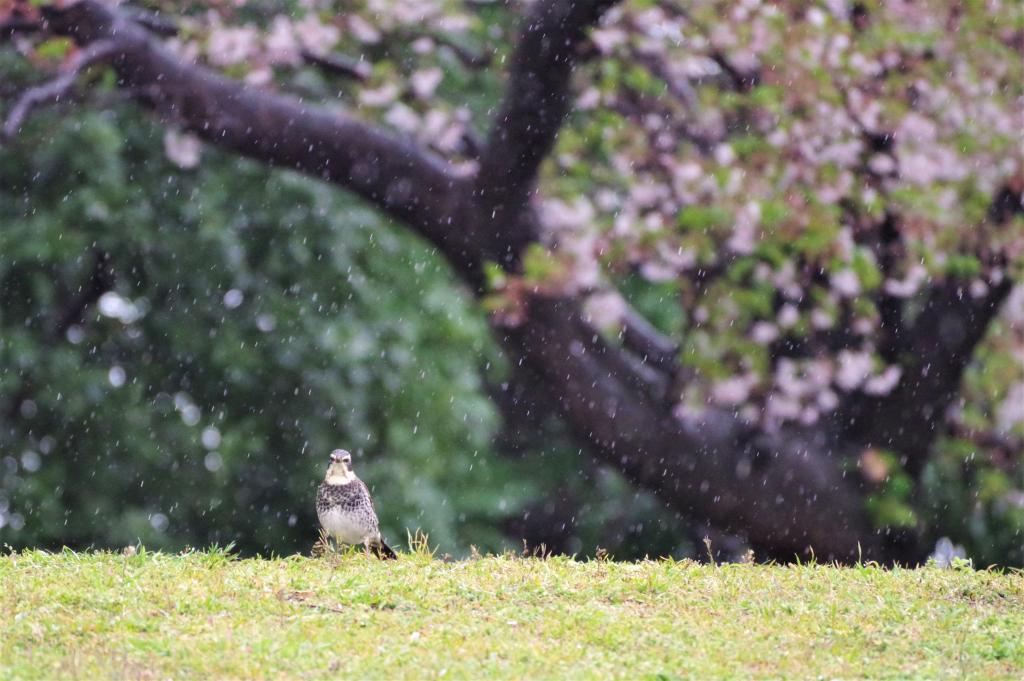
x=345 y=509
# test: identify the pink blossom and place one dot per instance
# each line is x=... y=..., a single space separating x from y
x=589 y=99
x=259 y=76
x=846 y=283
x=743 y=239
x=658 y=271
x=732 y=391
x=231 y=45
x=882 y=164
x=361 y=30
x=440 y=131
x=1010 y=414
x=788 y=316
x=821 y=320
x=845 y=154
x=604 y=309
x=978 y=288
x=561 y=215
x=316 y=36
x=451 y=23
x=1013 y=309
x=282 y=47
x=745 y=231
x=854 y=368
x=863 y=325
x=401 y=117
x=187 y=50
x=380 y=97
x=423 y=45
x=909 y=285
x=764 y=333
x=782 y=408
x=724 y=154
x=883 y=383
x=607 y=39
x=827 y=400
x=425 y=81
x=698 y=66
x=182 y=148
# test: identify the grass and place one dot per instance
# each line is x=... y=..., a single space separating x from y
x=205 y=614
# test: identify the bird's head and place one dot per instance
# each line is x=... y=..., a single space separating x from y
x=339 y=471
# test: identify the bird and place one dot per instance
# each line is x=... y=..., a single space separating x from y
x=345 y=508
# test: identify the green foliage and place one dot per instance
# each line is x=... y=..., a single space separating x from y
x=257 y=320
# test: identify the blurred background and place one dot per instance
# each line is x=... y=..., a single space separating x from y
x=186 y=335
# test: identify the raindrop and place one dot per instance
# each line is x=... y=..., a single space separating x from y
x=159 y=522
x=266 y=323
x=113 y=305
x=116 y=376
x=30 y=461
x=190 y=415
x=211 y=437
x=233 y=298
x=28 y=409
x=213 y=461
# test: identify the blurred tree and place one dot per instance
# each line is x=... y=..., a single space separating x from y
x=758 y=274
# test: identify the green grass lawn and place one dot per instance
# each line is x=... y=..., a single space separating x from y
x=201 y=615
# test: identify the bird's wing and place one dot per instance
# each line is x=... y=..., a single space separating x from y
x=369 y=500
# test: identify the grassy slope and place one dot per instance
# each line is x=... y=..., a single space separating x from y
x=108 y=615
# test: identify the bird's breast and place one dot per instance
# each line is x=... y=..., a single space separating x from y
x=345 y=526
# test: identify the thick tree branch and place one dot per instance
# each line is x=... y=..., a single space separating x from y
x=18 y=24
x=405 y=181
x=938 y=348
x=784 y=490
x=536 y=102
x=933 y=351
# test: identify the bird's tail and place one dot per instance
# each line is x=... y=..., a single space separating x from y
x=382 y=550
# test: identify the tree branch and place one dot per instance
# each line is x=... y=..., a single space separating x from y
x=536 y=102
x=101 y=279
x=154 y=22
x=58 y=87
x=933 y=353
x=339 y=65
x=405 y=181
x=784 y=490
x=640 y=336
x=18 y=24
x=938 y=348
x=469 y=58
